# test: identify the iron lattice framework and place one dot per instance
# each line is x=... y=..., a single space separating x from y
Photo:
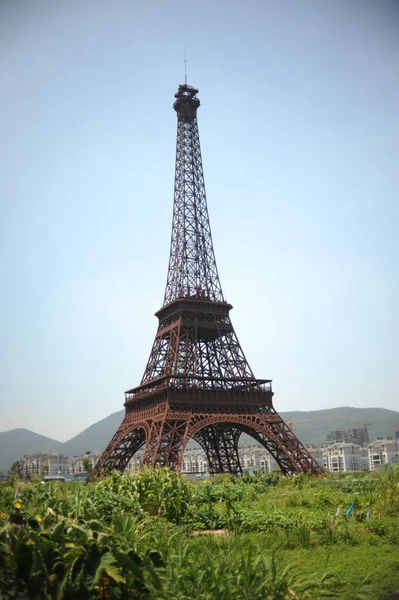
x=197 y=383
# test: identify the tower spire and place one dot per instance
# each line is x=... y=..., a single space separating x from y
x=192 y=268
x=185 y=67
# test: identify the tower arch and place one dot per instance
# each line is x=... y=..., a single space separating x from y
x=123 y=446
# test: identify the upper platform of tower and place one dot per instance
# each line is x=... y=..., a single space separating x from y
x=186 y=103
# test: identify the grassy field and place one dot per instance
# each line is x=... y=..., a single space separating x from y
x=157 y=535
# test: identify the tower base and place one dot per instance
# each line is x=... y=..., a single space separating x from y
x=164 y=421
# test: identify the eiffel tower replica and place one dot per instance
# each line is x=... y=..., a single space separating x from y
x=197 y=383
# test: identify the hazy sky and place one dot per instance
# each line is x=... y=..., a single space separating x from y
x=299 y=127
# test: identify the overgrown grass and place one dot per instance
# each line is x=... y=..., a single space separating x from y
x=150 y=536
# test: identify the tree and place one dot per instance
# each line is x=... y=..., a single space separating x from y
x=88 y=467
x=14 y=474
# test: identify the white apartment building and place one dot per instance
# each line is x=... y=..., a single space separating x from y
x=383 y=451
x=341 y=457
x=52 y=464
x=195 y=461
x=256 y=457
x=76 y=463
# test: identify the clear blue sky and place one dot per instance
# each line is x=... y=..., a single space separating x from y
x=299 y=127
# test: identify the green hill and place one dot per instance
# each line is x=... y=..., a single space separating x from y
x=95 y=437
x=17 y=442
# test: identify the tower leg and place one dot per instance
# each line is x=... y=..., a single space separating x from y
x=220 y=443
x=165 y=442
x=125 y=443
x=293 y=457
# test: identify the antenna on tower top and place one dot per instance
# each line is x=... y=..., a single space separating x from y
x=185 y=67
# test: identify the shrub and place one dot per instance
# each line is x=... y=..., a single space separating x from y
x=158 y=491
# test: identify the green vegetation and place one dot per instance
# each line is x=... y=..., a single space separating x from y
x=157 y=535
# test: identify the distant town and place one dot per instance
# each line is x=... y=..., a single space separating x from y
x=345 y=450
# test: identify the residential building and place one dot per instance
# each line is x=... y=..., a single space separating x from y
x=256 y=457
x=383 y=451
x=341 y=457
x=76 y=466
x=52 y=464
x=195 y=461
